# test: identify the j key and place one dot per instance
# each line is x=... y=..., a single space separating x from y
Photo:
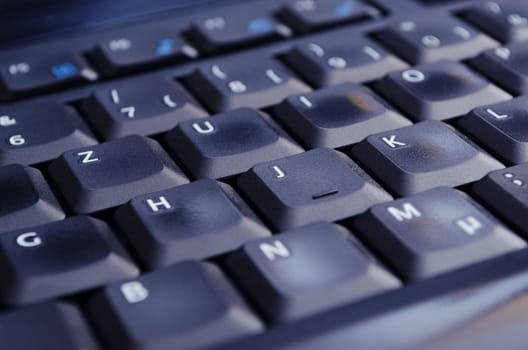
x=229 y=143
x=189 y=305
x=220 y=33
x=439 y=90
x=144 y=107
x=435 y=232
x=273 y=271
x=35 y=132
x=423 y=156
x=320 y=184
x=46 y=326
x=338 y=59
x=507 y=66
x=308 y=15
x=432 y=39
x=26 y=200
x=505 y=20
x=60 y=258
x=112 y=173
x=140 y=50
x=337 y=116
x=244 y=81
x=502 y=128
x=173 y=225
x=41 y=73
x=506 y=191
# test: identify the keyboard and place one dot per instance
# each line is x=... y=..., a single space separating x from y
x=269 y=174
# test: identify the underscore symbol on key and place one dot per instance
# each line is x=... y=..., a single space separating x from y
x=369 y=51
x=274 y=77
x=497 y=115
x=305 y=101
x=279 y=173
x=129 y=111
x=115 y=96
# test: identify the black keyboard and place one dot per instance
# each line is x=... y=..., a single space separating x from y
x=269 y=174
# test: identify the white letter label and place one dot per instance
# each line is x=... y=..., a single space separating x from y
x=392 y=142
x=271 y=251
x=28 y=240
x=87 y=157
x=408 y=212
x=469 y=225
x=209 y=128
x=134 y=292
x=161 y=203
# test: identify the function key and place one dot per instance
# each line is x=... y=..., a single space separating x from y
x=339 y=59
x=308 y=15
x=435 y=232
x=426 y=155
x=144 y=106
x=426 y=40
x=43 y=73
x=439 y=90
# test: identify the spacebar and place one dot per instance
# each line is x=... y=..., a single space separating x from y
x=480 y=307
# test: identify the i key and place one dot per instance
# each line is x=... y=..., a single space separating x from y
x=143 y=106
x=244 y=81
x=27 y=199
x=110 y=174
x=317 y=185
x=426 y=155
x=190 y=305
x=439 y=90
x=273 y=272
x=337 y=116
x=171 y=226
x=229 y=143
x=434 y=232
x=35 y=132
x=432 y=39
x=60 y=258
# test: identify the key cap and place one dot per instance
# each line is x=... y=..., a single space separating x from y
x=195 y=221
x=46 y=326
x=229 y=143
x=112 y=173
x=233 y=83
x=337 y=116
x=140 y=106
x=60 y=258
x=317 y=185
x=27 y=199
x=186 y=306
x=227 y=31
x=337 y=59
x=439 y=90
x=426 y=155
x=502 y=128
x=435 y=232
x=430 y=39
x=505 y=20
x=506 y=192
x=35 y=132
x=309 y=15
x=43 y=73
x=273 y=272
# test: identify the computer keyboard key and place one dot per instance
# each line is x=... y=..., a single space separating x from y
x=43 y=73
x=502 y=128
x=60 y=258
x=310 y=15
x=110 y=174
x=244 y=81
x=140 y=106
x=430 y=39
x=439 y=90
x=506 y=192
x=58 y=326
x=189 y=305
x=423 y=156
x=36 y=132
x=318 y=185
x=337 y=59
x=505 y=20
x=194 y=221
x=337 y=116
x=434 y=232
x=306 y=271
x=229 y=143
x=26 y=199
